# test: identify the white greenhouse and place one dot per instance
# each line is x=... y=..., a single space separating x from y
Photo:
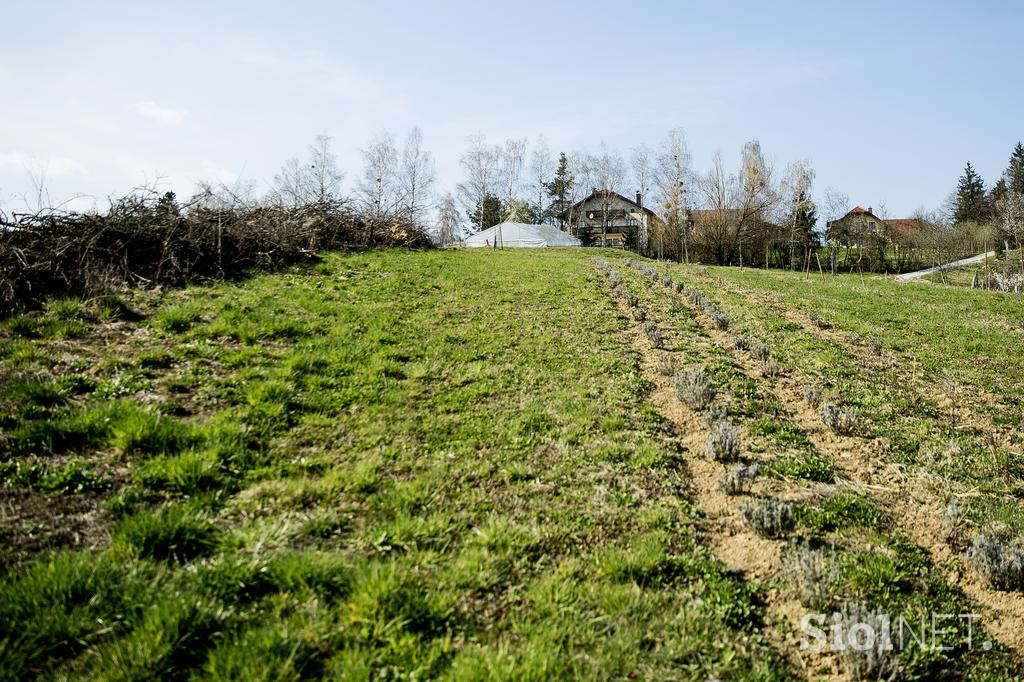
x=521 y=235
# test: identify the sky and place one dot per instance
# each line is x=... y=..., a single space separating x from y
x=886 y=100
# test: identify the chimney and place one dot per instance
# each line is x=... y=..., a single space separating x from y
x=869 y=210
x=639 y=199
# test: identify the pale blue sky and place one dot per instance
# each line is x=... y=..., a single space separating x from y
x=887 y=100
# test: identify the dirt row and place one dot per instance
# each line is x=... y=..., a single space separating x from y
x=731 y=541
x=915 y=508
x=909 y=373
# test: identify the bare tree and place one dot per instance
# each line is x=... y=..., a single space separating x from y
x=757 y=196
x=796 y=188
x=449 y=221
x=513 y=157
x=542 y=168
x=317 y=180
x=480 y=165
x=1013 y=222
x=380 y=192
x=837 y=205
x=716 y=229
x=581 y=172
x=641 y=161
x=327 y=178
x=416 y=177
x=609 y=172
x=672 y=174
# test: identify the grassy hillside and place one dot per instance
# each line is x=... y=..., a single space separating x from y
x=486 y=465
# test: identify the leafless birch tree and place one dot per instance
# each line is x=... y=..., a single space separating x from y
x=480 y=165
x=542 y=168
x=380 y=191
x=416 y=179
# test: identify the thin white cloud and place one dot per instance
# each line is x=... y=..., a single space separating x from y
x=51 y=166
x=166 y=116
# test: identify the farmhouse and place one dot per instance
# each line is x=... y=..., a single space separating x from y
x=606 y=218
x=859 y=223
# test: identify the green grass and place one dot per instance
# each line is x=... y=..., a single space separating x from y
x=438 y=465
x=389 y=467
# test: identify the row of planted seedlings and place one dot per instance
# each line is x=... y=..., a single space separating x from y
x=976 y=479
x=843 y=557
x=723 y=441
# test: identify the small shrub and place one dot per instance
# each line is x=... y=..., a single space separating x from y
x=769 y=518
x=761 y=351
x=772 y=368
x=815 y=577
x=614 y=279
x=666 y=281
x=720 y=320
x=875 y=344
x=630 y=299
x=739 y=480
x=875 y=656
x=654 y=334
x=638 y=314
x=723 y=444
x=815 y=319
x=813 y=396
x=1000 y=565
x=694 y=388
x=667 y=364
x=714 y=414
x=678 y=287
x=952 y=522
x=842 y=420
x=741 y=342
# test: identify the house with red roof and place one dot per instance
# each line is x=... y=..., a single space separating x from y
x=860 y=224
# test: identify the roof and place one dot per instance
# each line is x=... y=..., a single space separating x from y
x=599 y=193
x=904 y=224
x=899 y=224
x=522 y=235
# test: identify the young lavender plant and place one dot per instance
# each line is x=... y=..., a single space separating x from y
x=723 y=444
x=667 y=364
x=842 y=420
x=740 y=479
x=654 y=334
x=694 y=388
x=813 y=396
x=1000 y=565
x=770 y=518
